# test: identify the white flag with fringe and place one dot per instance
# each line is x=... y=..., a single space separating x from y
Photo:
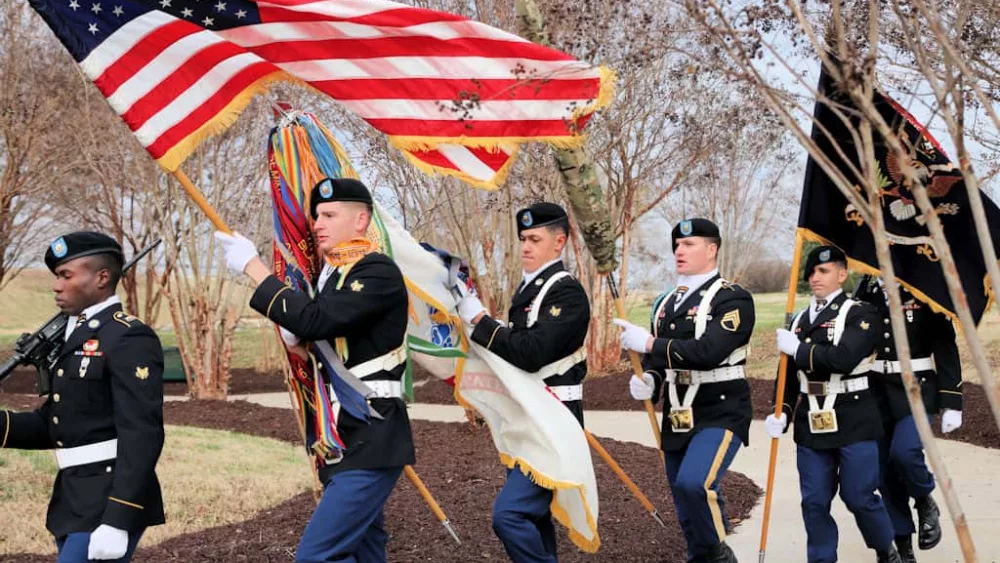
x=529 y=425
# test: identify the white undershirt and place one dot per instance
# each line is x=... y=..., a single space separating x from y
x=91 y=312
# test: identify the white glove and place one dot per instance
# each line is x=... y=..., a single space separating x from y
x=951 y=420
x=465 y=288
x=633 y=337
x=641 y=389
x=469 y=308
x=107 y=543
x=776 y=426
x=238 y=249
x=290 y=339
x=788 y=343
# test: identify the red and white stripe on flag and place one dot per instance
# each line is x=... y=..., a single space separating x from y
x=456 y=96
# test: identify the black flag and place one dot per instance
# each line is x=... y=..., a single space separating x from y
x=826 y=216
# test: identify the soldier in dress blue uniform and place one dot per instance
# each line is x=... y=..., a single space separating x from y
x=104 y=413
x=696 y=356
x=937 y=367
x=837 y=422
x=548 y=322
x=361 y=299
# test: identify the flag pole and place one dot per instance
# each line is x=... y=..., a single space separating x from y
x=636 y=364
x=429 y=499
x=196 y=196
x=624 y=478
x=779 y=394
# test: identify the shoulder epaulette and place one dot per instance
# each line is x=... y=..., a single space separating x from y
x=127 y=319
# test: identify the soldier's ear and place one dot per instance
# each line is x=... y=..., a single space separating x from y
x=561 y=239
x=103 y=278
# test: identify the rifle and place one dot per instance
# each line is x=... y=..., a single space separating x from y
x=40 y=349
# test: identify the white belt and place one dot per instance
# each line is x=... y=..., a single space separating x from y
x=717 y=375
x=738 y=355
x=887 y=367
x=91 y=453
x=560 y=367
x=385 y=389
x=385 y=362
x=568 y=392
x=816 y=388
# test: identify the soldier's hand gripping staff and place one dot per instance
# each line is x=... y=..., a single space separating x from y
x=696 y=356
x=837 y=423
x=361 y=300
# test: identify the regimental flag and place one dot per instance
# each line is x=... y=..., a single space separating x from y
x=529 y=425
x=458 y=97
x=827 y=217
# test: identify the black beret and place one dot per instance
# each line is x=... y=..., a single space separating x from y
x=823 y=255
x=696 y=227
x=80 y=244
x=329 y=190
x=541 y=215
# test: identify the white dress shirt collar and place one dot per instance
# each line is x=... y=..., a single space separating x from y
x=813 y=311
x=527 y=278
x=692 y=282
x=91 y=312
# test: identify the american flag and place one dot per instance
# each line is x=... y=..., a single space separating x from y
x=455 y=95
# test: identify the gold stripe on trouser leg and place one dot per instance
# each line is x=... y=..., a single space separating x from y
x=713 y=498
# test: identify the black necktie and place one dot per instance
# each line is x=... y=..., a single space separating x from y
x=820 y=303
x=80 y=319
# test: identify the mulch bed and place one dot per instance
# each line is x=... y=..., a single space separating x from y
x=610 y=393
x=458 y=463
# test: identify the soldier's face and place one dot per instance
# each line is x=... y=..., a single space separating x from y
x=826 y=278
x=78 y=285
x=338 y=222
x=694 y=255
x=540 y=246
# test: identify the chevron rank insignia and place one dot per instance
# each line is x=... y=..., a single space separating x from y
x=142 y=372
x=731 y=320
x=555 y=311
x=357 y=286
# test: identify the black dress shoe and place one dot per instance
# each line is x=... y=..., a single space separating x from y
x=929 y=517
x=889 y=555
x=721 y=553
x=904 y=544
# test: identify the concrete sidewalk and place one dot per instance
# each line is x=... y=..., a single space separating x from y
x=974 y=470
